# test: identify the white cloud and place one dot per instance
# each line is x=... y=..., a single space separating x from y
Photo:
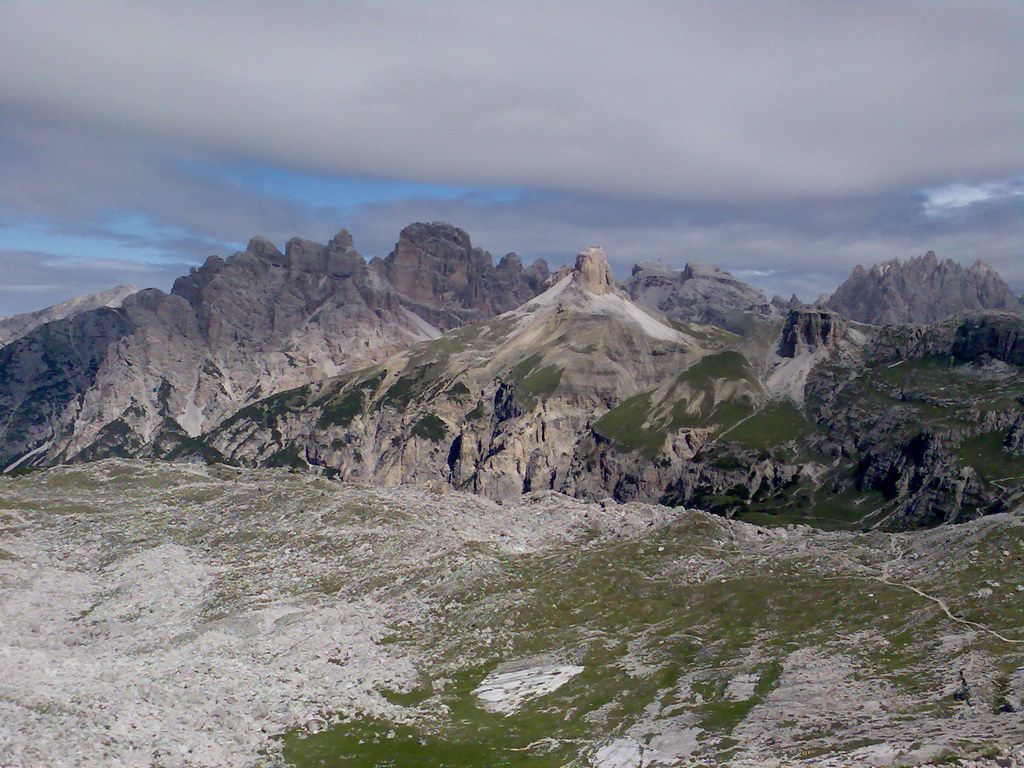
x=950 y=199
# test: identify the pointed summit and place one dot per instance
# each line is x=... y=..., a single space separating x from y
x=592 y=272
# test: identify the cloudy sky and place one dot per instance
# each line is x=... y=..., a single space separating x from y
x=785 y=141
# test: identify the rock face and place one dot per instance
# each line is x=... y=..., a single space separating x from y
x=920 y=290
x=592 y=273
x=446 y=280
x=16 y=326
x=699 y=293
x=147 y=377
x=807 y=330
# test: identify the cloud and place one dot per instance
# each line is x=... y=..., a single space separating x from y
x=950 y=200
x=88 y=180
x=34 y=279
x=694 y=102
x=785 y=142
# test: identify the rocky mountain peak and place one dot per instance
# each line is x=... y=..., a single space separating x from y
x=653 y=266
x=341 y=241
x=695 y=269
x=16 y=326
x=785 y=305
x=920 y=290
x=510 y=262
x=591 y=271
x=449 y=282
x=433 y=261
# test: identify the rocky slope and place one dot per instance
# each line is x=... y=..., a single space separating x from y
x=150 y=375
x=581 y=391
x=921 y=290
x=16 y=326
x=699 y=293
x=496 y=408
x=189 y=616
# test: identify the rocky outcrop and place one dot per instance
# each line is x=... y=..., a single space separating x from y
x=810 y=329
x=967 y=338
x=592 y=273
x=16 y=326
x=699 y=293
x=921 y=290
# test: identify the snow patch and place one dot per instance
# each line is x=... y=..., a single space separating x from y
x=630 y=753
x=505 y=692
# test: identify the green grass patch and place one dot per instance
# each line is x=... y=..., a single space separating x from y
x=625 y=425
x=775 y=423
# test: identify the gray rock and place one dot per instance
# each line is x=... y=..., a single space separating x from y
x=920 y=290
x=445 y=279
x=807 y=330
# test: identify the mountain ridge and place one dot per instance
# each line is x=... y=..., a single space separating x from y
x=313 y=358
x=163 y=367
x=921 y=290
x=13 y=327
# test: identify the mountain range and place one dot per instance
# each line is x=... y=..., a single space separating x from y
x=896 y=404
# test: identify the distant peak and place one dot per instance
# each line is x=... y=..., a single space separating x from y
x=510 y=262
x=652 y=265
x=592 y=272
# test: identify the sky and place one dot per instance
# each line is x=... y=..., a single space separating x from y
x=784 y=141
